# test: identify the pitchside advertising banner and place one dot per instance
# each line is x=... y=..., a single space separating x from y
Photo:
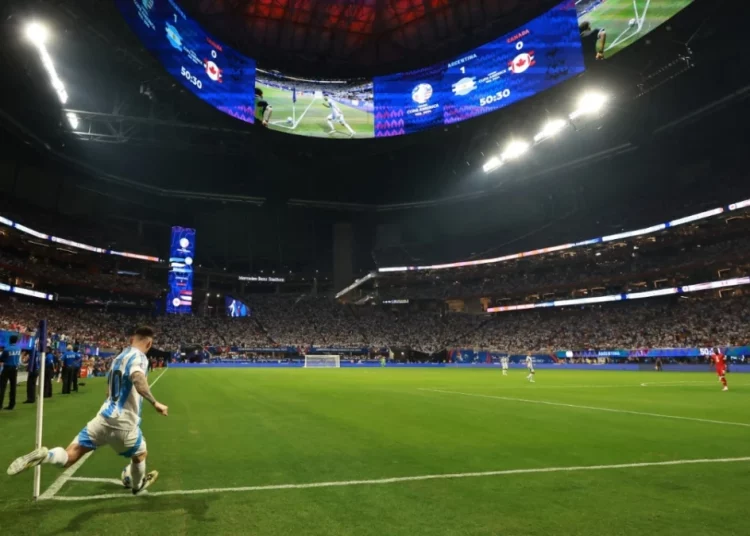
x=542 y=53
x=181 y=255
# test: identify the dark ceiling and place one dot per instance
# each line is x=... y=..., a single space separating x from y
x=165 y=140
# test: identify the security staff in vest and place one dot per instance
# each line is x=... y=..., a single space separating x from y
x=69 y=358
x=49 y=372
x=9 y=360
x=32 y=366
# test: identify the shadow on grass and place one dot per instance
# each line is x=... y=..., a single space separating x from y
x=104 y=516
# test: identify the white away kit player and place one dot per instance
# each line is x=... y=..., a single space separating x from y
x=118 y=422
x=504 y=363
x=530 y=366
x=336 y=116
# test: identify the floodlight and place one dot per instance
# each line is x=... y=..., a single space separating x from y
x=515 y=149
x=37 y=33
x=73 y=120
x=589 y=103
x=492 y=164
x=550 y=129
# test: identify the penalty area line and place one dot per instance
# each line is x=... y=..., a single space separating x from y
x=70 y=472
x=592 y=408
x=397 y=480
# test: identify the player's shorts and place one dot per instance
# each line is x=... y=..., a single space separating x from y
x=721 y=371
x=531 y=369
x=339 y=118
x=96 y=433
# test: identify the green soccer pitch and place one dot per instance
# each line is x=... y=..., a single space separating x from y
x=310 y=115
x=614 y=16
x=576 y=453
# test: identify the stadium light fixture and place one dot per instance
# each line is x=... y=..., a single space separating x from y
x=515 y=149
x=552 y=128
x=73 y=120
x=591 y=102
x=37 y=33
x=492 y=164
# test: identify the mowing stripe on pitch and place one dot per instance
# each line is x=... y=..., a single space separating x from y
x=71 y=471
x=592 y=408
x=397 y=480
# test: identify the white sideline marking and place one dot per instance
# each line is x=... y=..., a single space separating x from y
x=63 y=478
x=159 y=378
x=93 y=479
x=594 y=408
x=71 y=471
x=397 y=480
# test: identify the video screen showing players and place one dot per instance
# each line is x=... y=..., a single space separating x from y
x=609 y=26
x=336 y=109
x=235 y=308
x=213 y=71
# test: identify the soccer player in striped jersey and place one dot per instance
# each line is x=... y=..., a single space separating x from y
x=336 y=116
x=118 y=422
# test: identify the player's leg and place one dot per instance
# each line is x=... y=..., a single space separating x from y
x=131 y=444
x=329 y=120
x=58 y=456
x=350 y=129
x=723 y=380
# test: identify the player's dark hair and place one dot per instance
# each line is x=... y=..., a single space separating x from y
x=13 y=339
x=584 y=26
x=143 y=332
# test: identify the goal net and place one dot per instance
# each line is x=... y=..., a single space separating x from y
x=322 y=361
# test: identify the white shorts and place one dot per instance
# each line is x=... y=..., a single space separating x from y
x=339 y=118
x=96 y=433
x=505 y=366
x=531 y=369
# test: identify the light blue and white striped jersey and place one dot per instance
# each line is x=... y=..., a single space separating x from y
x=122 y=409
x=334 y=107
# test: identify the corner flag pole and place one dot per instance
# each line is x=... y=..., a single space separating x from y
x=294 y=105
x=42 y=342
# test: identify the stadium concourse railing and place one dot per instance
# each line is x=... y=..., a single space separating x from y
x=551 y=249
x=70 y=243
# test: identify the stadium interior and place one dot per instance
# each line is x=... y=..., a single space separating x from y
x=604 y=247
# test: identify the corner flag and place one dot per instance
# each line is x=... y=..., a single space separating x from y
x=294 y=94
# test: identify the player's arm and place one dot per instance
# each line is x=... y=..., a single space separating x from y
x=601 y=44
x=141 y=385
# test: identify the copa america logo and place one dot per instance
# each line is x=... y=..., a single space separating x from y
x=421 y=93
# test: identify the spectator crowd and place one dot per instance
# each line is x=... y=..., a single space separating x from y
x=279 y=321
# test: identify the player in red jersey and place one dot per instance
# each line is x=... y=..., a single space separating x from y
x=720 y=360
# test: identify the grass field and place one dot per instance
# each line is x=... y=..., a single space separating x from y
x=243 y=428
x=310 y=115
x=614 y=16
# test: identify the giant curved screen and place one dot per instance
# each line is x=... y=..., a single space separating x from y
x=533 y=58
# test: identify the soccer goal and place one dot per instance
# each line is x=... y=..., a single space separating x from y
x=322 y=361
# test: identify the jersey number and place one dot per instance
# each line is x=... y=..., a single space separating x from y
x=115 y=382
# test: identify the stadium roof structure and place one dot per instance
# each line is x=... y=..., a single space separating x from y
x=141 y=131
x=358 y=37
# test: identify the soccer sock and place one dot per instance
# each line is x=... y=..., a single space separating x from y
x=138 y=472
x=57 y=456
x=350 y=129
x=330 y=125
x=723 y=381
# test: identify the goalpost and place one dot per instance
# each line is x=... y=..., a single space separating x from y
x=322 y=361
